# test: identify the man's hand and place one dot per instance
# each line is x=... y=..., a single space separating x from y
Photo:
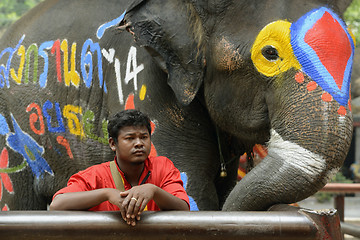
x=135 y=200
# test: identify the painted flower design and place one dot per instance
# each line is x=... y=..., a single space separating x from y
x=4 y=177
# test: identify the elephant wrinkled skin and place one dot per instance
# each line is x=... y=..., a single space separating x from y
x=216 y=77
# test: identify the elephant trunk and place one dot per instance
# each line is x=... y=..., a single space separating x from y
x=309 y=140
x=288 y=174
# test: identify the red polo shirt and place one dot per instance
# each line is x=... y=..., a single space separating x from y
x=163 y=174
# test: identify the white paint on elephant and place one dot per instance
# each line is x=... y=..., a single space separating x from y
x=132 y=69
x=108 y=55
x=298 y=157
x=342 y=120
x=118 y=81
x=132 y=64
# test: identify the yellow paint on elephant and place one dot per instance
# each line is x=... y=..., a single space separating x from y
x=29 y=153
x=352 y=36
x=72 y=75
x=17 y=78
x=276 y=35
x=142 y=92
x=75 y=127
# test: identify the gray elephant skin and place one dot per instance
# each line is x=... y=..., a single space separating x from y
x=215 y=77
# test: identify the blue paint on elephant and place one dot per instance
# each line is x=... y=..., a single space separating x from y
x=32 y=152
x=5 y=70
x=87 y=62
x=43 y=53
x=60 y=128
x=102 y=28
x=321 y=68
x=193 y=205
x=4 y=128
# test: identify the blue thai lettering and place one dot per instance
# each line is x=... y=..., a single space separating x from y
x=87 y=60
x=43 y=53
x=49 y=105
x=5 y=70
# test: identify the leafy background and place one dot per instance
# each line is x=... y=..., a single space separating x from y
x=352 y=18
x=11 y=10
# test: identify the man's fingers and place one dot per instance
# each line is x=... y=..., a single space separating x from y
x=131 y=207
x=138 y=204
x=123 y=212
x=124 y=194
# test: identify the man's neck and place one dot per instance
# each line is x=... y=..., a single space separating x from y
x=132 y=172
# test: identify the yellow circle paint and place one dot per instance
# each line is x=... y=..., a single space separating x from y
x=142 y=92
x=277 y=35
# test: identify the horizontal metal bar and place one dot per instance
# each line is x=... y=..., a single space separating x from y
x=341 y=187
x=167 y=225
x=350 y=229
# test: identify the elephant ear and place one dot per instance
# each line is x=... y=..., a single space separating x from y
x=164 y=29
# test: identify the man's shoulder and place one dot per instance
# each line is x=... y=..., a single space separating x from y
x=161 y=163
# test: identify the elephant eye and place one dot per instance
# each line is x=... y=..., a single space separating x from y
x=270 y=53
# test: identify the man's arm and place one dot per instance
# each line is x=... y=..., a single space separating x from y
x=85 y=200
x=167 y=201
x=143 y=194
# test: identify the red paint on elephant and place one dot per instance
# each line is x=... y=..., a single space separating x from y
x=342 y=111
x=62 y=141
x=5 y=208
x=56 y=50
x=33 y=118
x=311 y=86
x=129 y=104
x=4 y=177
x=299 y=77
x=326 y=97
x=331 y=34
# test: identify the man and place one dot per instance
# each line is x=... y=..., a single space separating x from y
x=151 y=183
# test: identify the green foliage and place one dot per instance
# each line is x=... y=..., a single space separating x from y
x=352 y=18
x=325 y=196
x=11 y=10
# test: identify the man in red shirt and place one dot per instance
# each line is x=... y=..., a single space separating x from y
x=149 y=183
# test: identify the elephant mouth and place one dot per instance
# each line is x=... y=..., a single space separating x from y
x=297 y=157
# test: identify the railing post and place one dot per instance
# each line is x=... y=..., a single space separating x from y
x=339 y=204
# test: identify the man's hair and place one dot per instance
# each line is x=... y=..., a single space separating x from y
x=127 y=118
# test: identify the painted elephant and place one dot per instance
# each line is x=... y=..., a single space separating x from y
x=215 y=77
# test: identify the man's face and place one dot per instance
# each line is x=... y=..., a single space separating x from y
x=133 y=144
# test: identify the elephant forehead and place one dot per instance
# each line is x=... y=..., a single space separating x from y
x=325 y=49
x=227 y=55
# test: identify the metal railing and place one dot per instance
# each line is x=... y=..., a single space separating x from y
x=280 y=222
x=340 y=189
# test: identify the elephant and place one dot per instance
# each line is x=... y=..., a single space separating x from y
x=215 y=77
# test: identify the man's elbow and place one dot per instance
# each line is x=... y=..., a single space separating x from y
x=55 y=205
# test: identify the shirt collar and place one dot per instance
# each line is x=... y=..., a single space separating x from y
x=145 y=173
